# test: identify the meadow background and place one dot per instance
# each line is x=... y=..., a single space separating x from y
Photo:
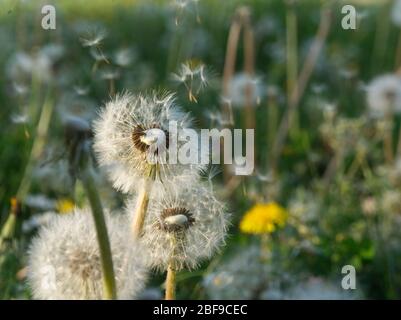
x=333 y=178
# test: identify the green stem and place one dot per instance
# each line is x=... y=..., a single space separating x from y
x=37 y=148
x=7 y=232
x=109 y=286
x=292 y=60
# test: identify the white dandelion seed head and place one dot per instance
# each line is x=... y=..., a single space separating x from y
x=238 y=87
x=384 y=95
x=64 y=260
x=396 y=13
x=184 y=226
x=125 y=137
x=124 y=57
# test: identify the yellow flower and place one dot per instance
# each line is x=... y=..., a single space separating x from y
x=263 y=218
x=65 y=206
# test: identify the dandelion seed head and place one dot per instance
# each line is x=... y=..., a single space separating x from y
x=124 y=57
x=125 y=135
x=184 y=226
x=67 y=250
x=396 y=13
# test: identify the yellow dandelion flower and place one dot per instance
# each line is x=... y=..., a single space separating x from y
x=263 y=218
x=65 y=206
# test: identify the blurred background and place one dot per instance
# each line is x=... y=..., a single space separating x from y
x=323 y=100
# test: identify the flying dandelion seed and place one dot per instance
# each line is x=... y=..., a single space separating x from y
x=243 y=276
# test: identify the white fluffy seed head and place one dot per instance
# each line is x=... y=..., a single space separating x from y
x=64 y=259
x=126 y=129
x=184 y=225
x=396 y=13
x=384 y=95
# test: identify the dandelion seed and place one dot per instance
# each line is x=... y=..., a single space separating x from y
x=110 y=74
x=238 y=87
x=64 y=260
x=93 y=37
x=124 y=57
x=193 y=76
x=185 y=5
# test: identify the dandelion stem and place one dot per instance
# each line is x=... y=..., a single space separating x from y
x=109 y=286
x=141 y=208
x=249 y=68
x=7 y=232
x=37 y=147
x=170 y=283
